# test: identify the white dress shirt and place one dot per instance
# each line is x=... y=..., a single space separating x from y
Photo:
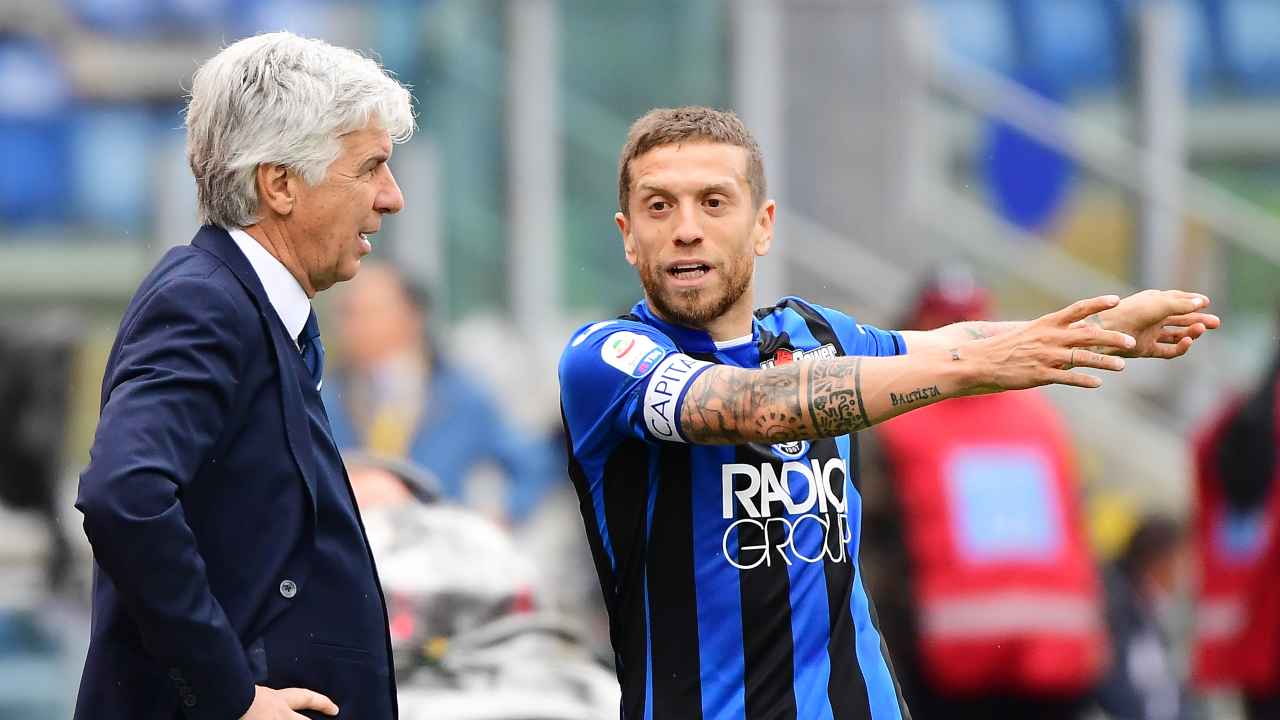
x=286 y=295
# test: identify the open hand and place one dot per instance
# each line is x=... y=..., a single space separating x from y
x=271 y=704
x=1163 y=322
x=1047 y=349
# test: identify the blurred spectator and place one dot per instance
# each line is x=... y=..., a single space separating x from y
x=1143 y=683
x=35 y=96
x=388 y=482
x=470 y=634
x=975 y=549
x=395 y=394
x=1237 y=513
x=35 y=367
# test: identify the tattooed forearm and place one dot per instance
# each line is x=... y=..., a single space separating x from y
x=835 y=401
x=915 y=396
x=730 y=405
x=775 y=396
x=713 y=410
x=805 y=400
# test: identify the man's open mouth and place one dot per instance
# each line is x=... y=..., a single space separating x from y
x=688 y=271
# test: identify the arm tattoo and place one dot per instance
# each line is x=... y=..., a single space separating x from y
x=712 y=409
x=1096 y=320
x=915 y=396
x=813 y=399
x=975 y=331
x=776 y=398
x=729 y=405
x=835 y=406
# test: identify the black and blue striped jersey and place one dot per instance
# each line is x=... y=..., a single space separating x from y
x=730 y=572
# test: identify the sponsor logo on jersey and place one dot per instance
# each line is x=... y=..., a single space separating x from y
x=632 y=353
x=793 y=450
x=785 y=356
x=778 y=503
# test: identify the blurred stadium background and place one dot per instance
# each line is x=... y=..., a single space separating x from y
x=1064 y=148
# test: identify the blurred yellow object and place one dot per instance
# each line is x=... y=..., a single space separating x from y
x=436 y=648
x=1112 y=518
x=1097 y=228
x=391 y=431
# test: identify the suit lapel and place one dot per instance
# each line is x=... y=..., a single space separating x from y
x=218 y=242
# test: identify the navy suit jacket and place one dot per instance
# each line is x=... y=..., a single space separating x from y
x=228 y=551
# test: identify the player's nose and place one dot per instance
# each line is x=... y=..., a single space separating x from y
x=688 y=229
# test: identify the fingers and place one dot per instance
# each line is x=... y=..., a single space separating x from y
x=1178 y=301
x=1093 y=336
x=1079 y=357
x=303 y=699
x=1174 y=335
x=1082 y=309
x=1075 y=379
x=1211 y=322
x=1169 y=351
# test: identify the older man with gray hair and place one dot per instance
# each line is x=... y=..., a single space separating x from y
x=232 y=576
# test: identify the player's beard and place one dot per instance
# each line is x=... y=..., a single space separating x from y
x=696 y=307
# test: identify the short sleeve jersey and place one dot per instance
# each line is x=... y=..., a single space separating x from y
x=730 y=572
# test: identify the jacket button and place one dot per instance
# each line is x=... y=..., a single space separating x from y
x=288 y=588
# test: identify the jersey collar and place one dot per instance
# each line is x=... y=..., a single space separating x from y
x=687 y=339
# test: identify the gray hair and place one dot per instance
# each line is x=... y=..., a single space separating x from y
x=284 y=100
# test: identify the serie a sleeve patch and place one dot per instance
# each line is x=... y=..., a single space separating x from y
x=631 y=353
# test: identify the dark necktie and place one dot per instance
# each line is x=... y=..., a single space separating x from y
x=312 y=349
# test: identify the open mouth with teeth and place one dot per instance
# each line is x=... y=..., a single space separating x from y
x=688 y=271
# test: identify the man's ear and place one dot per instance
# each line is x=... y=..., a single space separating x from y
x=275 y=188
x=628 y=240
x=764 y=228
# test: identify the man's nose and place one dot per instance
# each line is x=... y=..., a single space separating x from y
x=689 y=229
x=389 y=198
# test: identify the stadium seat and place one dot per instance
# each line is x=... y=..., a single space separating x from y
x=978 y=30
x=312 y=18
x=1198 y=39
x=121 y=18
x=1198 y=44
x=34 y=100
x=1251 y=43
x=1073 y=45
x=195 y=17
x=111 y=147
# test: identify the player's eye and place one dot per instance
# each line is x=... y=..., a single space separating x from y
x=659 y=205
x=714 y=203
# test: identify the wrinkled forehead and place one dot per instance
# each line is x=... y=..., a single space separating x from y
x=369 y=140
x=690 y=167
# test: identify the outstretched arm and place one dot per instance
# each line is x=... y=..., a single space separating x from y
x=1163 y=322
x=825 y=398
x=959 y=333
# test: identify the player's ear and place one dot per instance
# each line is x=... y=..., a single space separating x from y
x=275 y=188
x=628 y=241
x=763 y=230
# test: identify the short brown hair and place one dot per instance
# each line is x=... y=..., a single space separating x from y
x=671 y=126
